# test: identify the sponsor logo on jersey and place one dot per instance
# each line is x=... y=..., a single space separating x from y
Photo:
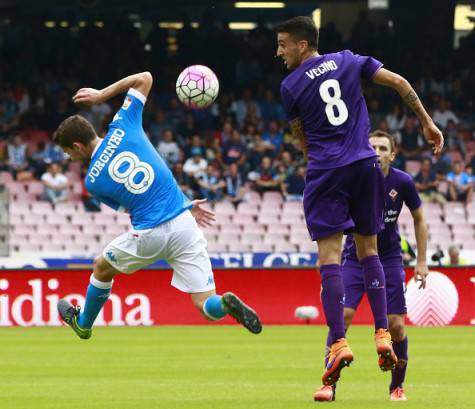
x=127 y=103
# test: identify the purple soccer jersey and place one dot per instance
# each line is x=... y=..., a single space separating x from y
x=399 y=189
x=325 y=93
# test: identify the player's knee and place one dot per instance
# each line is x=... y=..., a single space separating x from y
x=103 y=271
x=396 y=328
x=348 y=318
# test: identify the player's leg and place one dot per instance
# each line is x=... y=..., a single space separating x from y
x=332 y=296
x=97 y=294
x=354 y=291
x=375 y=285
x=395 y=291
x=188 y=257
x=215 y=307
x=400 y=345
x=375 y=282
x=327 y=217
x=367 y=207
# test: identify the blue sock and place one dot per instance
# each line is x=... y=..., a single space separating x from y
x=96 y=296
x=213 y=308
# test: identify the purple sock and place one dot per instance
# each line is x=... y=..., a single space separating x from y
x=332 y=296
x=375 y=285
x=399 y=373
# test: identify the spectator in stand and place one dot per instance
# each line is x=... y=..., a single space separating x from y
x=56 y=185
x=239 y=107
x=443 y=114
x=101 y=114
x=3 y=158
x=252 y=116
x=266 y=178
x=183 y=180
x=47 y=154
x=169 y=149
x=293 y=187
x=211 y=184
x=158 y=126
x=187 y=128
x=195 y=144
x=460 y=184
x=396 y=119
x=235 y=188
x=288 y=163
x=17 y=161
x=250 y=132
x=444 y=162
x=271 y=110
x=256 y=151
x=273 y=138
x=411 y=142
x=454 y=137
x=196 y=165
x=427 y=184
x=234 y=151
x=453 y=258
x=176 y=113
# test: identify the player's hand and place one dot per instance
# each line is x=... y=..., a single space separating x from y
x=87 y=97
x=203 y=216
x=420 y=274
x=434 y=136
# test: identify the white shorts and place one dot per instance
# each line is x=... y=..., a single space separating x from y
x=180 y=242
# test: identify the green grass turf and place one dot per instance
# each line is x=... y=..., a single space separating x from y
x=222 y=367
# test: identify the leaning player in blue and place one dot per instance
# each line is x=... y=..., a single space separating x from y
x=126 y=173
x=344 y=186
x=399 y=189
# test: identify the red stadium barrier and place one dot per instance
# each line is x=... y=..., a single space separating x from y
x=28 y=298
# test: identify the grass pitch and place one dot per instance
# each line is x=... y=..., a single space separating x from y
x=222 y=367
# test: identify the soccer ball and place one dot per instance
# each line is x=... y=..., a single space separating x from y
x=197 y=86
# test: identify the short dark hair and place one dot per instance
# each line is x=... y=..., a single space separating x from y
x=301 y=28
x=74 y=129
x=381 y=134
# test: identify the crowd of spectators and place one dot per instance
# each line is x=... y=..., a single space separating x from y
x=242 y=141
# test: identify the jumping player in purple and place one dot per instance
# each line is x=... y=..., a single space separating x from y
x=399 y=189
x=344 y=185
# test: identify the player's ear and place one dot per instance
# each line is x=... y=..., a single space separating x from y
x=77 y=146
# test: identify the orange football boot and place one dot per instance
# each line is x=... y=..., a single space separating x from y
x=324 y=394
x=339 y=356
x=398 y=394
x=384 y=347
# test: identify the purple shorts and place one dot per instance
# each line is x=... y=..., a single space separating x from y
x=347 y=199
x=353 y=280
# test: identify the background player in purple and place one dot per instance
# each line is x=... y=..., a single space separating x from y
x=399 y=189
x=344 y=184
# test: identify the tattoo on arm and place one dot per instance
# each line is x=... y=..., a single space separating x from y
x=412 y=100
x=296 y=126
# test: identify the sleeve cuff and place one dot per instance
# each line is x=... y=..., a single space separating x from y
x=137 y=94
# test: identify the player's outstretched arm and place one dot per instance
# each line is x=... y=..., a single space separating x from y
x=402 y=86
x=142 y=82
x=420 y=230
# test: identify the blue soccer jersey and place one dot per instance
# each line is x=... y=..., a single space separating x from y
x=127 y=173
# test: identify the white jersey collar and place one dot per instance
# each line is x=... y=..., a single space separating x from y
x=96 y=147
